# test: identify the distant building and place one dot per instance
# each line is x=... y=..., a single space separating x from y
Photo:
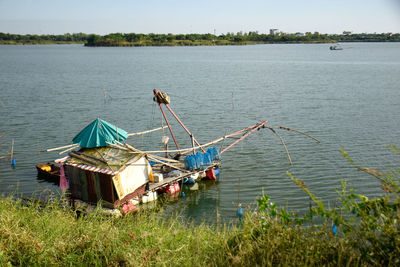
x=300 y=34
x=273 y=31
x=347 y=32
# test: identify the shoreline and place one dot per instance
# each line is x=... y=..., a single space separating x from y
x=187 y=44
x=193 y=39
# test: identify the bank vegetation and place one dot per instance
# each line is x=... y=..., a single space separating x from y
x=357 y=231
x=194 y=39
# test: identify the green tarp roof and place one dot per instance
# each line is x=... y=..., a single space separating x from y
x=98 y=133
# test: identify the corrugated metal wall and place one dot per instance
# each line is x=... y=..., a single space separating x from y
x=90 y=186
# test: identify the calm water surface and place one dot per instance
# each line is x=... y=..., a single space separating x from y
x=348 y=98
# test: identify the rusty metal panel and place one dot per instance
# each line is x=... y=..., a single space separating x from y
x=84 y=191
x=106 y=187
x=97 y=180
x=72 y=175
x=91 y=187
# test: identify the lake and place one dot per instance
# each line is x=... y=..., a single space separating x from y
x=348 y=98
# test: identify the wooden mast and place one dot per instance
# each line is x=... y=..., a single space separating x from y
x=159 y=101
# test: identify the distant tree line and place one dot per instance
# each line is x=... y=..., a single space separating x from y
x=8 y=38
x=153 y=39
x=134 y=39
x=367 y=37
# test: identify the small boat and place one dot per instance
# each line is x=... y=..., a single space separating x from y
x=335 y=47
x=49 y=172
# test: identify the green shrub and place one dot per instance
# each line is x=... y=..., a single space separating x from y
x=370 y=227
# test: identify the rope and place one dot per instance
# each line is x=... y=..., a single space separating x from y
x=151 y=124
x=223 y=142
x=283 y=143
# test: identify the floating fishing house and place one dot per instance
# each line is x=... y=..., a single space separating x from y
x=98 y=172
x=118 y=175
x=111 y=175
x=102 y=167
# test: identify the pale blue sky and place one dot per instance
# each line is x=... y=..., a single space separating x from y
x=185 y=16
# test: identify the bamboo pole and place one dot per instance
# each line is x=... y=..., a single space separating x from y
x=12 y=150
x=169 y=126
x=231 y=135
x=283 y=143
x=256 y=127
x=117 y=146
x=61 y=147
x=129 y=147
x=160 y=158
x=193 y=145
x=167 y=164
x=132 y=149
x=149 y=131
x=72 y=154
x=184 y=127
x=297 y=131
x=140 y=151
x=68 y=149
x=187 y=150
x=156 y=158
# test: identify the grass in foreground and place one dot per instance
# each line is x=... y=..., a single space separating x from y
x=33 y=235
x=52 y=235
